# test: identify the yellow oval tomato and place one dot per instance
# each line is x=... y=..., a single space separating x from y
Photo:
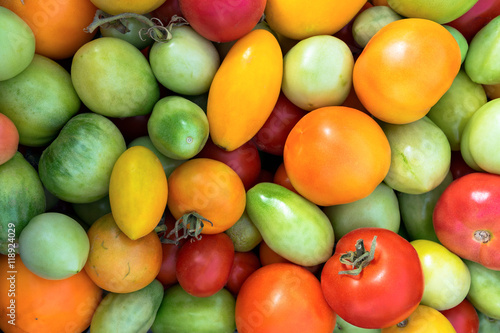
x=298 y=20
x=245 y=89
x=423 y=320
x=405 y=68
x=115 y=7
x=138 y=191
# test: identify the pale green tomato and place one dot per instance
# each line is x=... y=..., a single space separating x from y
x=370 y=21
x=481 y=138
x=54 y=246
x=317 y=72
x=244 y=234
x=484 y=291
x=379 y=209
x=17 y=44
x=187 y=63
x=454 y=109
x=420 y=156
x=446 y=277
x=462 y=42
x=487 y=324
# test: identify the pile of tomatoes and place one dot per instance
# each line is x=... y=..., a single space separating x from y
x=250 y=166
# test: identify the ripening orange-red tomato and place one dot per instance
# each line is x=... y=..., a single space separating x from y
x=336 y=155
x=35 y=304
x=405 y=68
x=57 y=25
x=297 y=20
x=210 y=188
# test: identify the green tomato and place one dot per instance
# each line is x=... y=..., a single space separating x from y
x=76 y=167
x=462 y=42
x=446 y=277
x=17 y=44
x=51 y=103
x=484 y=291
x=114 y=79
x=416 y=211
x=187 y=63
x=454 y=109
x=317 y=72
x=415 y=147
x=292 y=226
x=178 y=127
x=54 y=246
x=379 y=209
x=244 y=234
x=169 y=164
x=487 y=324
x=130 y=30
x=181 y=312
x=370 y=21
x=481 y=63
x=481 y=136
x=342 y=326
x=92 y=211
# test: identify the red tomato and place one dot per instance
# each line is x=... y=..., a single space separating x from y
x=222 y=20
x=244 y=160
x=9 y=139
x=244 y=264
x=168 y=9
x=476 y=18
x=466 y=218
x=281 y=178
x=203 y=265
x=386 y=291
x=272 y=135
x=283 y=297
x=463 y=317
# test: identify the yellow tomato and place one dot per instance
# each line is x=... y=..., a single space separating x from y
x=297 y=19
x=115 y=7
x=423 y=320
x=245 y=89
x=138 y=192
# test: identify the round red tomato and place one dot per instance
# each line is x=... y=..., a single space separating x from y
x=283 y=297
x=466 y=218
x=463 y=317
x=388 y=287
x=244 y=264
x=203 y=265
x=222 y=20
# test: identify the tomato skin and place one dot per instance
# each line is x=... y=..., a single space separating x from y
x=115 y=7
x=9 y=139
x=50 y=20
x=468 y=205
x=423 y=320
x=203 y=265
x=476 y=18
x=281 y=178
x=458 y=166
x=463 y=317
x=283 y=297
x=244 y=264
x=384 y=293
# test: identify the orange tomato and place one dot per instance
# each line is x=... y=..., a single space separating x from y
x=210 y=188
x=57 y=25
x=296 y=19
x=245 y=89
x=336 y=155
x=118 y=264
x=138 y=191
x=281 y=178
x=405 y=69
x=45 y=306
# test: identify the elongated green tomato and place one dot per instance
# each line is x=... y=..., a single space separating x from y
x=22 y=197
x=17 y=44
x=138 y=192
x=114 y=79
x=132 y=312
x=178 y=127
x=291 y=225
x=60 y=253
x=245 y=89
x=185 y=64
x=76 y=167
x=484 y=291
x=53 y=101
x=447 y=279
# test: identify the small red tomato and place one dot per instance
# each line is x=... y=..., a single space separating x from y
x=203 y=265
x=244 y=264
x=281 y=178
x=463 y=317
x=9 y=139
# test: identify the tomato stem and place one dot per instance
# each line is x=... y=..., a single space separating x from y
x=156 y=30
x=191 y=225
x=360 y=258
